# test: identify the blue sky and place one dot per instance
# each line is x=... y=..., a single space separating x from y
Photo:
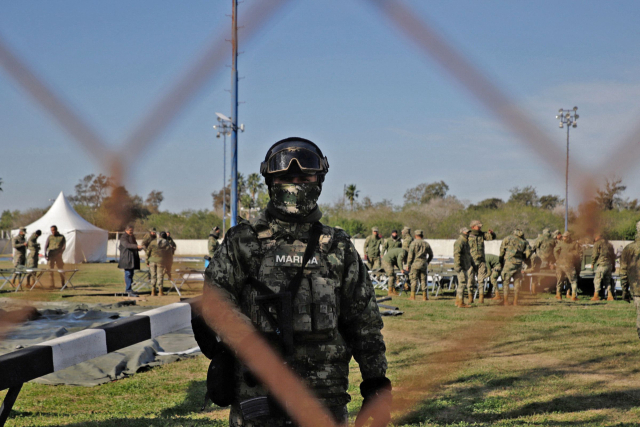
x=336 y=72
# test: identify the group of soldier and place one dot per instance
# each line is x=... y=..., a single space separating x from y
x=160 y=249
x=550 y=251
x=53 y=249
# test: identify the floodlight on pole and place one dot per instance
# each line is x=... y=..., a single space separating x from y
x=569 y=118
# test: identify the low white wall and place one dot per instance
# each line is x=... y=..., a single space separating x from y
x=442 y=248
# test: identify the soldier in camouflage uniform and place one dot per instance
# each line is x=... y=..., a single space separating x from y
x=392 y=242
x=478 y=265
x=19 y=254
x=543 y=247
x=420 y=255
x=493 y=265
x=335 y=315
x=32 y=257
x=514 y=250
x=461 y=265
x=630 y=274
x=147 y=239
x=372 y=249
x=156 y=256
x=169 y=253
x=53 y=250
x=566 y=253
x=395 y=257
x=603 y=260
x=213 y=243
x=407 y=238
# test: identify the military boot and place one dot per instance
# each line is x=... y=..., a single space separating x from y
x=413 y=296
x=610 y=297
x=153 y=292
x=425 y=296
x=161 y=291
x=574 y=297
x=460 y=303
x=558 y=295
x=470 y=298
x=497 y=297
x=515 y=299
x=596 y=297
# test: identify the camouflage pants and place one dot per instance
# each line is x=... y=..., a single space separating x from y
x=479 y=269
x=566 y=272
x=56 y=263
x=391 y=273
x=374 y=262
x=156 y=270
x=32 y=261
x=340 y=415
x=18 y=261
x=603 y=274
x=511 y=271
x=495 y=275
x=418 y=274
x=636 y=301
x=463 y=282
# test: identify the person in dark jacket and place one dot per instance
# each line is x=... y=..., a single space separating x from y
x=129 y=258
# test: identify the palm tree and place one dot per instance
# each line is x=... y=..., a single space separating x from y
x=351 y=193
x=254 y=186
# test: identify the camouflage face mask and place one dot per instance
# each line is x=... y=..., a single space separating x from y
x=295 y=199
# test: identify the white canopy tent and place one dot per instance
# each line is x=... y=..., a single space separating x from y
x=85 y=241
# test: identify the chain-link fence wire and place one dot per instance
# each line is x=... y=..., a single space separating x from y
x=251 y=348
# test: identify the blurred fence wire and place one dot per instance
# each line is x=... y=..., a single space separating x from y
x=118 y=161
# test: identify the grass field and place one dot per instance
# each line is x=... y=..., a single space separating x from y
x=545 y=363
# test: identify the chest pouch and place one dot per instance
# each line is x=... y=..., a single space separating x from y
x=281 y=303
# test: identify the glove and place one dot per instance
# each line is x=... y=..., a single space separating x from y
x=377 y=402
x=626 y=296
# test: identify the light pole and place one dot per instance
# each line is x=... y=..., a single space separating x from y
x=223 y=127
x=226 y=126
x=569 y=118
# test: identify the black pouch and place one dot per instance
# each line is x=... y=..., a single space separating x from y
x=221 y=378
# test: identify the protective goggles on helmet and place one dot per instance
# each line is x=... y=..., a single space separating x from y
x=308 y=161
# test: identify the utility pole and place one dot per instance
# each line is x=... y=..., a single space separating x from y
x=223 y=127
x=569 y=118
x=234 y=115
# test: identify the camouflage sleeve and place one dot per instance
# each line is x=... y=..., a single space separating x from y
x=624 y=266
x=360 y=321
x=503 y=250
x=527 y=250
x=411 y=254
x=595 y=256
x=556 y=251
x=400 y=261
x=457 y=253
x=489 y=235
x=228 y=271
x=429 y=253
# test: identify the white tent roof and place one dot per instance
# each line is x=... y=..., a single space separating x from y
x=85 y=241
x=62 y=215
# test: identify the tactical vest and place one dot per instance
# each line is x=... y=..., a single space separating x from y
x=316 y=306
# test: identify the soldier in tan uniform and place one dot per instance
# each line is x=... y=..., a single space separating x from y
x=19 y=254
x=514 y=251
x=603 y=260
x=566 y=252
x=372 y=249
x=461 y=265
x=420 y=255
x=147 y=238
x=53 y=250
x=406 y=243
x=392 y=242
x=32 y=257
x=478 y=272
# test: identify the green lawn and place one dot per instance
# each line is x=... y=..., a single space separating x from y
x=545 y=363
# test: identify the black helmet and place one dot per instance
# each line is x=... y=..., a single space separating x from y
x=294 y=155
